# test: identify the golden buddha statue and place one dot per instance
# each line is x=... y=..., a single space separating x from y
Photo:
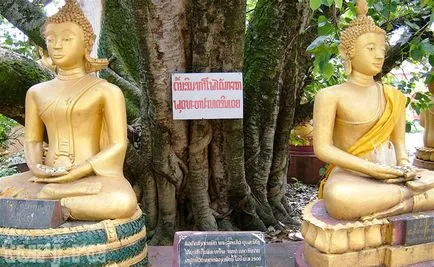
x=85 y=120
x=360 y=131
x=425 y=154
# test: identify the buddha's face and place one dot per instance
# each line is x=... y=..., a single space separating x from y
x=369 y=52
x=65 y=43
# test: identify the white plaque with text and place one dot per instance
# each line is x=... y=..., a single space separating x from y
x=207 y=95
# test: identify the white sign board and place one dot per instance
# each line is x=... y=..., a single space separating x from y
x=207 y=95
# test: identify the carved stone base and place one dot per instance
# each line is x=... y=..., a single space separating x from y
x=104 y=243
x=329 y=235
x=390 y=256
x=425 y=164
x=395 y=241
x=424 y=158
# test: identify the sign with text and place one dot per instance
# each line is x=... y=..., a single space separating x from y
x=197 y=249
x=207 y=95
x=30 y=214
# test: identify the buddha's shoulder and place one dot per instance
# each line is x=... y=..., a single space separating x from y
x=41 y=87
x=331 y=92
x=109 y=89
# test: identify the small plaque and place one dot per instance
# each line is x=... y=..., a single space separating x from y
x=30 y=214
x=412 y=228
x=197 y=249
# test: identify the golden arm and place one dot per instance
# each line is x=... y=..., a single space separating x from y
x=398 y=139
x=33 y=135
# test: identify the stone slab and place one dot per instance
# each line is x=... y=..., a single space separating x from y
x=412 y=228
x=219 y=249
x=278 y=254
x=406 y=255
x=390 y=256
x=366 y=257
x=30 y=214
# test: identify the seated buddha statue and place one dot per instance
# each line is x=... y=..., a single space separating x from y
x=425 y=154
x=84 y=118
x=360 y=131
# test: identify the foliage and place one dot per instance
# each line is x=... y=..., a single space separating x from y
x=13 y=39
x=6 y=125
x=297 y=140
x=7 y=161
x=250 y=7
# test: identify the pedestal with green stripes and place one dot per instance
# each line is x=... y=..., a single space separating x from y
x=104 y=243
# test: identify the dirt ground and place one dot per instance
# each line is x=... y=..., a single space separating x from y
x=298 y=195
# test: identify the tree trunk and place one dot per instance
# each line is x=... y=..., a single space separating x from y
x=18 y=74
x=274 y=68
x=163 y=36
x=26 y=17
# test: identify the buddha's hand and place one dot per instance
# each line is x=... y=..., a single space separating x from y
x=73 y=174
x=48 y=171
x=382 y=172
x=409 y=174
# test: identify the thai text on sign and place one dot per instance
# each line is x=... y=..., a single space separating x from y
x=207 y=95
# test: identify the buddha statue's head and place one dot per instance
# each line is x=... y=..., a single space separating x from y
x=70 y=38
x=363 y=44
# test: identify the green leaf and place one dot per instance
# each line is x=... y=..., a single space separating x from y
x=338 y=3
x=412 y=25
x=322 y=171
x=431 y=60
x=407 y=126
x=328 y=70
x=322 y=21
x=429 y=79
x=417 y=51
x=315 y=4
x=324 y=27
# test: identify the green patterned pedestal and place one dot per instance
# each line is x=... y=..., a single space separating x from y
x=105 y=243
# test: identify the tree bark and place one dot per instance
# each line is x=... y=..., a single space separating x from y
x=26 y=17
x=297 y=62
x=272 y=54
x=163 y=38
x=18 y=74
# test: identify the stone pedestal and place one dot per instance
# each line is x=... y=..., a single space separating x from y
x=396 y=241
x=104 y=243
x=424 y=158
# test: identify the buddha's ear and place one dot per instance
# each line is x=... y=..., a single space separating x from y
x=343 y=52
x=347 y=59
x=45 y=59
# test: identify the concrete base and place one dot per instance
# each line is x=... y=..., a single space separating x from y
x=390 y=256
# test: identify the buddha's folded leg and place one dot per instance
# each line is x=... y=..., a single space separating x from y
x=58 y=191
x=424 y=201
x=349 y=196
x=20 y=183
x=116 y=199
x=419 y=202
